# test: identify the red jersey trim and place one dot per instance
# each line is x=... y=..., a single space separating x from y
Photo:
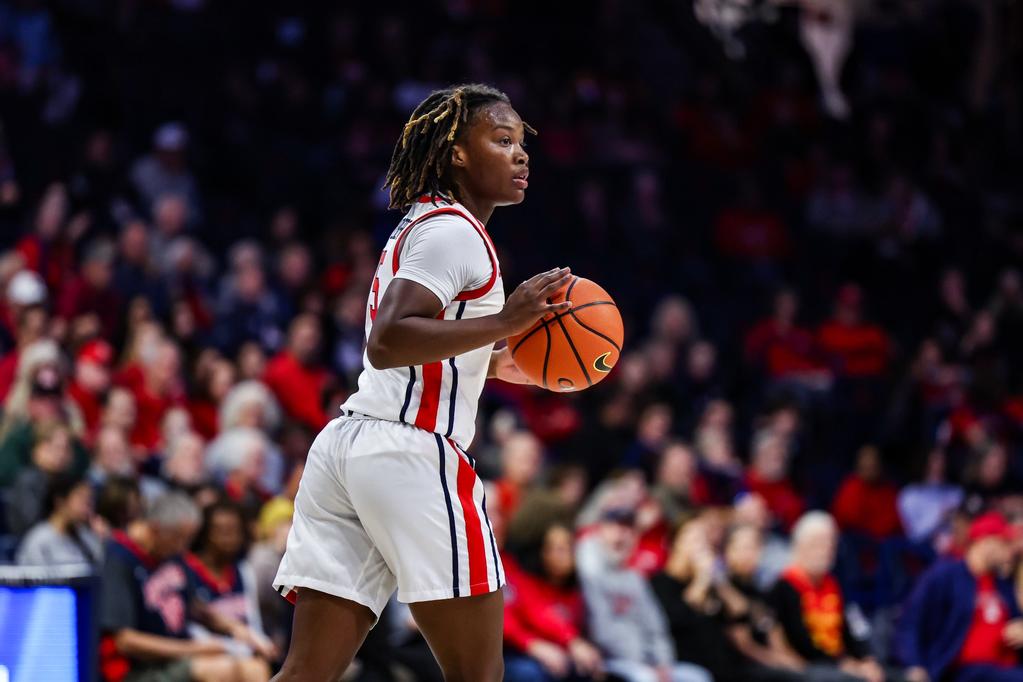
x=468 y=294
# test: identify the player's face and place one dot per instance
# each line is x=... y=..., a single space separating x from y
x=490 y=162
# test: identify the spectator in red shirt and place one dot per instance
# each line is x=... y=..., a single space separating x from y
x=544 y=614
x=90 y=383
x=31 y=326
x=781 y=348
x=860 y=349
x=767 y=476
x=749 y=231
x=157 y=391
x=48 y=250
x=92 y=291
x=215 y=382
x=296 y=376
x=521 y=459
x=866 y=503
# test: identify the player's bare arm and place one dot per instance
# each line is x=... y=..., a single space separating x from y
x=407 y=332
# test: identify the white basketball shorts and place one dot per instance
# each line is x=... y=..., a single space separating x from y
x=385 y=505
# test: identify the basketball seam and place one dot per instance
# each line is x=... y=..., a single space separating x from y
x=594 y=331
x=578 y=358
x=558 y=315
x=546 y=354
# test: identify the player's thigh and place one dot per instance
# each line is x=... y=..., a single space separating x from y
x=465 y=635
x=327 y=633
x=422 y=505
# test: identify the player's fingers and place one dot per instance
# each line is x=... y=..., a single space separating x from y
x=554 y=286
x=557 y=307
x=542 y=276
x=553 y=276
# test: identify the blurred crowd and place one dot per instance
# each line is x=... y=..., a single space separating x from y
x=807 y=464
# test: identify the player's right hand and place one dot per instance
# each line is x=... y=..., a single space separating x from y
x=528 y=302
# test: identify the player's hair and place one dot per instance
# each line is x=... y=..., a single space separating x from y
x=422 y=157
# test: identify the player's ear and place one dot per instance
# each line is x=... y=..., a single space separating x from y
x=457 y=155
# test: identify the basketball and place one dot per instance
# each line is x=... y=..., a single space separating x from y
x=574 y=349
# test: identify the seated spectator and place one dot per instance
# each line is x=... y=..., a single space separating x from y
x=808 y=602
x=782 y=349
x=296 y=376
x=705 y=611
x=182 y=469
x=164 y=170
x=859 y=349
x=751 y=510
x=91 y=292
x=652 y=431
x=720 y=467
x=272 y=530
x=111 y=457
x=962 y=622
x=625 y=620
x=221 y=579
x=90 y=383
x=237 y=459
x=676 y=482
x=521 y=460
x=214 y=385
x=544 y=618
x=759 y=637
x=64 y=537
x=767 y=476
x=51 y=455
x=866 y=503
x=146 y=636
x=248 y=310
x=156 y=389
x=26 y=303
x=925 y=507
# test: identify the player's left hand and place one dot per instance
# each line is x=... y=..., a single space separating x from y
x=503 y=367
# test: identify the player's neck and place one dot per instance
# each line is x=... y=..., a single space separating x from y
x=481 y=210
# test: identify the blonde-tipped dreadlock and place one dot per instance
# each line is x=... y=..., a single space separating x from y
x=421 y=158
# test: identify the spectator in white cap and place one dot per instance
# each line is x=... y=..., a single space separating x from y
x=165 y=170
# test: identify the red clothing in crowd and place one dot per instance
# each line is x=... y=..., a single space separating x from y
x=54 y=261
x=150 y=408
x=861 y=350
x=984 y=644
x=780 y=496
x=205 y=418
x=868 y=508
x=91 y=406
x=750 y=234
x=508 y=497
x=8 y=371
x=651 y=551
x=782 y=351
x=536 y=610
x=78 y=297
x=298 y=388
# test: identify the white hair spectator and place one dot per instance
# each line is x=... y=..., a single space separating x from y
x=812 y=523
x=173 y=509
x=231 y=449
x=239 y=404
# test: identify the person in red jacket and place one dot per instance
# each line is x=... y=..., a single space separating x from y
x=544 y=614
x=859 y=349
x=784 y=350
x=297 y=378
x=156 y=384
x=866 y=503
x=767 y=476
x=92 y=292
x=90 y=383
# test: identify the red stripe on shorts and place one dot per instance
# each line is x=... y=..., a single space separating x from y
x=426 y=417
x=479 y=579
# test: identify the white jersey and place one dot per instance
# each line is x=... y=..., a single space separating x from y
x=444 y=248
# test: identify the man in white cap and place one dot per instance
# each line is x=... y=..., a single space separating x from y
x=164 y=170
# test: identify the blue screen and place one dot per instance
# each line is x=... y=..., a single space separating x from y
x=38 y=634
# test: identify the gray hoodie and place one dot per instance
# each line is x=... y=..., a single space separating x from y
x=624 y=618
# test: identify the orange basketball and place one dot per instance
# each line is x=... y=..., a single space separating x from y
x=574 y=349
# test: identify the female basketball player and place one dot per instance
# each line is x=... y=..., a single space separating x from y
x=389 y=498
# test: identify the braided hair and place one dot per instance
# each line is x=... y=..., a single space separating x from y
x=422 y=157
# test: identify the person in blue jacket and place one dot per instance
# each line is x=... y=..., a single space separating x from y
x=962 y=622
